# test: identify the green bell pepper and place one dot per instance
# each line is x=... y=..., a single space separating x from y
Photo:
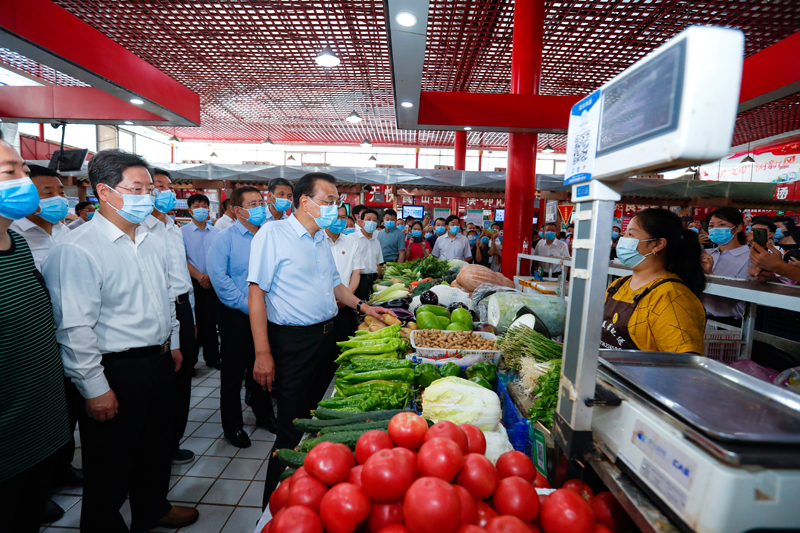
x=481 y=381
x=450 y=369
x=486 y=370
x=425 y=374
x=405 y=375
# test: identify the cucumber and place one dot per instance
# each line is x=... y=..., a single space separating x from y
x=330 y=414
x=366 y=426
x=287 y=473
x=313 y=426
x=290 y=458
x=348 y=438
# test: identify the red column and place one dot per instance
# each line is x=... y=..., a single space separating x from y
x=461 y=150
x=526 y=71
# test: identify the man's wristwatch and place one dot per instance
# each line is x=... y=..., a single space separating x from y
x=358 y=306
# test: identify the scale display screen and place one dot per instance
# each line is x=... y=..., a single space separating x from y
x=416 y=211
x=499 y=215
x=643 y=104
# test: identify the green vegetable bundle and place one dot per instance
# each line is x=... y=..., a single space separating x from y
x=546 y=397
x=485 y=370
x=522 y=341
x=411 y=271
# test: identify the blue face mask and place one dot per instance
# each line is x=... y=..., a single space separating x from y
x=166 y=201
x=417 y=233
x=53 y=209
x=282 y=204
x=778 y=234
x=258 y=215
x=695 y=230
x=720 y=236
x=749 y=229
x=615 y=235
x=370 y=226
x=541 y=234
x=200 y=214
x=388 y=224
x=628 y=253
x=172 y=217
x=485 y=240
x=440 y=229
x=328 y=214
x=500 y=239
x=337 y=227
x=453 y=229
x=428 y=235
x=18 y=198
x=473 y=239
x=91 y=215
x=136 y=207
x=348 y=231
x=401 y=227
x=549 y=235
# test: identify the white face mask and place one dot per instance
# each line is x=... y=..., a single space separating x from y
x=628 y=251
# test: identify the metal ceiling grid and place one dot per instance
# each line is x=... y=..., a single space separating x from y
x=49 y=75
x=765 y=121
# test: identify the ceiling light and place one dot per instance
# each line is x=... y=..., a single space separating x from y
x=327 y=58
x=548 y=149
x=406 y=19
x=353 y=117
x=129 y=122
x=467 y=128
x=290 y=158
x=748 y=159
x=173 y=139
x=372 y=158
x=267 y=141
x=213 y=154
x=366 y=142
x=137 y=101
x=407 y=104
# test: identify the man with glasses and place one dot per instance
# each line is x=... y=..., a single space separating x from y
x=119 y=337
x=292 y=268
x=181 y=294
x=228 y=260
x=279 y=198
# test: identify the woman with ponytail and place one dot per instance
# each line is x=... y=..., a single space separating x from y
x=657 y=308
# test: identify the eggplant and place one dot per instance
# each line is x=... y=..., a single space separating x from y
x=455 y=305
x=429 y=298
x=485 y=327
x=404 y=315
x=400 y=303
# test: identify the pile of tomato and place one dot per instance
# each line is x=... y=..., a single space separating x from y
x=417 y=479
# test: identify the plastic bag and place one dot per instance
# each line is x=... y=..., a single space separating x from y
x=754 y=369
x=503 y=306
x=480 y=298
x=447 y=295
x=464 y=362
x=789 y=379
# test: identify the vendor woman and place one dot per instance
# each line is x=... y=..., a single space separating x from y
x=657 y=308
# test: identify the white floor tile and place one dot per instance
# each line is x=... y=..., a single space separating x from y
x=249 y=418
x=222 y=448
x=71 y=518
x=180 y=470
x=209 y=430
x=194 y=401
x=208 y=466
x=208 y=403
x=212 y=519
x=76 y=491
x=200 y=415
x=202 y=391
x=259 y=450
x=262 y=473
x=77 y=458
x=190 y=489
x=243 y=519
x=261 y=434
x=212 y=382
x=226 y=492
x=216 y=416
x=242 y=469
x=214 y=393
x=67 y=501
x=254 y=495
x=173 y=480
x=191 y=427
x=125 y=511
x=197 y=445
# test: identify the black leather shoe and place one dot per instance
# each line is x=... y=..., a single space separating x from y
x=52 y=512
x=270 y=424
x=71 y=477
x=238 y=438
x=248 y=398
x=217 y=365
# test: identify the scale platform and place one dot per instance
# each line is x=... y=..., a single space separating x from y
x=719 y=450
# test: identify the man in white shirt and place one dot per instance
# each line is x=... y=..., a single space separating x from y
x=549 y=246
x=228 y=218
x=348 y=261
x=85 y=212
x=181 y=293
x=44 y=229
x=452 y=245
x=371 y=252
x=279 y=199
x=119 y=336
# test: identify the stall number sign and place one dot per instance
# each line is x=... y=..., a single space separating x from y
x=584 y=124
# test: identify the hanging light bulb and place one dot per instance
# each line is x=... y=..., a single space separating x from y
x=290 y=158
x=365 y=143
x=213 y=154
x=174 y=139
x=326 y=58
x=748 y=159
x=268 y=141
x=548 y=149
x=353 y=117
x=372 y=158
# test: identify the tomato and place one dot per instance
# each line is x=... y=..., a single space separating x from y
x=516 y=463
x=566 y=512
x=383 y=515
x=371 y=442
x=580 y=488
x=468 y=509
x=440 y=458
x=354 y=476
x=411 y=457
x=533 y=528
x=386 y=476
x=343 y=508
x=407 y=430
x=478 y=476
x=600 y=528
x=542 y=498
x=300 y=472
x=396 y=528
x=516 y=497
x=330 y=464
x=507 y=524
x=541 y=482
x=483 y=513
x=476 y=440
x=448 y=430
x=432 y=505
x=297 y=519
x=471 y=528
x=608 y=511
x=307 y=491
x=277 y=499
x=265 y=529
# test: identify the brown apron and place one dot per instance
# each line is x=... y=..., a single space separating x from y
x=615 y=334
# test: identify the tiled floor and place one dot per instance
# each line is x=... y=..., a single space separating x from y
x=225 y=483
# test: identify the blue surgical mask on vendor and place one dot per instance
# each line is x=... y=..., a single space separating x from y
x=628 y=251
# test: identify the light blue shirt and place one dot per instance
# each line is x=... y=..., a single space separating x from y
x=197 y=243
x=296 y=271
x=392 y=242
x=228 y=260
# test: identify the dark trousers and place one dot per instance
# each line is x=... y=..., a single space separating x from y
x=183 y=377
x=24 y=497
x=205 y=306
x=344 y=326
x=365 y=286
x=130 y=454
x=300 y=354
x=238 y=357
x=62 y=459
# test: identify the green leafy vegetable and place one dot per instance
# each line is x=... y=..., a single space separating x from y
x=522 y=341
x=546 y=397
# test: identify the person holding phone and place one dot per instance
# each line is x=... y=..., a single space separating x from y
x=416 y=246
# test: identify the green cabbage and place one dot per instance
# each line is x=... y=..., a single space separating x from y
x=462 y=402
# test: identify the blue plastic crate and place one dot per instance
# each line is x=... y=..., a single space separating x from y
x=515 y=423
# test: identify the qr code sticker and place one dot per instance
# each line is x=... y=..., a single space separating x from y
x=540 y=455
x=581 y=149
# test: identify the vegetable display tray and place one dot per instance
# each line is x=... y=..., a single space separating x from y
x=445 y=353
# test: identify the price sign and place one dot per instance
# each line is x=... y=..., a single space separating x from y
x=584 y=123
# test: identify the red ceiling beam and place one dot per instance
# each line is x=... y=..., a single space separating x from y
x=49 y=34
x=496 y=112
x=771 y=74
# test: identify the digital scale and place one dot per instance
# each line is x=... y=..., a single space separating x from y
x=714 y=449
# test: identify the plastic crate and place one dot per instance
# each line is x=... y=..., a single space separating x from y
x=443 y=353
x=516 y=425
x=727 y=346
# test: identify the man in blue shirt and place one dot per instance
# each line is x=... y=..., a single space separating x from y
x=197 y=237
x=393 y=240
x=439 y=229
x=279 y=199
x=228 y=260
x=291 y=264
